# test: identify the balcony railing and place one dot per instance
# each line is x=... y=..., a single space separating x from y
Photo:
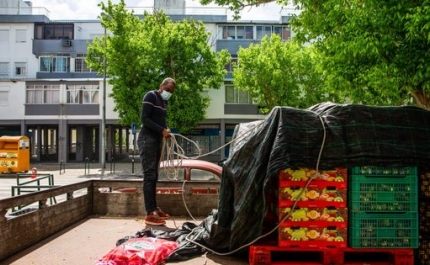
x=182 y=11
x=24 y=11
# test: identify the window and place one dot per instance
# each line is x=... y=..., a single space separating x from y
x=206 y=139
x=54 y=64
x=229 y=67
x=203 y=175
x=249 y=32
x=237 y=32
x=229 y=32
x=245 y=32
x=45 y=64
x=236 y=96
x=60 y=64
x=20 y=69
x=53 y=31
x=43 y=94
x=21 y=35
x=263 y=31
x=215 y=143
x=240 y=32
x=4 y=69
x=82 y=94
x=80 y=64
x=4 y=95
x=284 y=32
x=4 y=35
x=171 y=173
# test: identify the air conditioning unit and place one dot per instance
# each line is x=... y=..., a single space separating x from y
x=66 y=43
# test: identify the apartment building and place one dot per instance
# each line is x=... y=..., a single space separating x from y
x=48 y=93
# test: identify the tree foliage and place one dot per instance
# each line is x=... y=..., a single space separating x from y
x=374 y=52
x=140 y=53
x=371 y=48
x=278 y=73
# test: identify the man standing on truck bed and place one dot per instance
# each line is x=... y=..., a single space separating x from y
x=154 y=129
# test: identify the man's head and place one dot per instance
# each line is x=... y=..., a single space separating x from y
x=167 y=87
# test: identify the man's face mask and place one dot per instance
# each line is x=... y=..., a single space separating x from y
x=165 y=95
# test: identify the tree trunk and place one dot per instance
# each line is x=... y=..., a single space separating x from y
x=422 y=98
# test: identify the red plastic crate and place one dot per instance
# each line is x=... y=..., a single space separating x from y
x=317 y=183
x=312 y=235
x=324 y=192
x=312 y=204
x=303 y=174
x=308 y=215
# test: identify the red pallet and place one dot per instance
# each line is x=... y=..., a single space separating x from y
x=274 y=255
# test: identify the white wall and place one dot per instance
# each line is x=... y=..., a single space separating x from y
x=88 y=30
x=14 y=108
x=18 y=51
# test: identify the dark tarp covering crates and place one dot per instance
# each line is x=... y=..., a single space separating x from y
x=349 y=135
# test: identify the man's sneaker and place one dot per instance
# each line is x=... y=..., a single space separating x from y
x=154 y=219
x=162 y=215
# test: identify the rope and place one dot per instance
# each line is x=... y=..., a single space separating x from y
x=285 y=218
x=173 y=154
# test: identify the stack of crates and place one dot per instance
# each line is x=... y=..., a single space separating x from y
x=383 y=207
x=424 y=213
x=312 y=208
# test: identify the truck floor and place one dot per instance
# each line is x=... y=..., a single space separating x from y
x=87 y=241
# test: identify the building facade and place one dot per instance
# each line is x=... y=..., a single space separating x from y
x=48 y=93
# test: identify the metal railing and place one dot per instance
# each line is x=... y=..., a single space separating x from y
x=33 y=185
x=24 y=11
x=112 y=165
x=87 y=166
x=62 y=167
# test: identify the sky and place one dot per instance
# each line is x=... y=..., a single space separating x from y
x=88 y=9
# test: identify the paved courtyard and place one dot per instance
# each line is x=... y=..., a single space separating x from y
x=90 y=239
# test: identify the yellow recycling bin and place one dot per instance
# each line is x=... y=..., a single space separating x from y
x=14 y=154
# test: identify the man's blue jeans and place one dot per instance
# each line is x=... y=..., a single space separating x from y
x=150 y=153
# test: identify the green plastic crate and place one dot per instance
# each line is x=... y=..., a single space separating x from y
x=384 y=171
x=383 y=194
x=372 y=230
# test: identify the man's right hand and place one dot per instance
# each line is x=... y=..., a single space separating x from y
x=166 y=134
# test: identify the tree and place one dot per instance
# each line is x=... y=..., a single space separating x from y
x=374 y=49
x=140 y=53
x=373 y=52
x=278 y=73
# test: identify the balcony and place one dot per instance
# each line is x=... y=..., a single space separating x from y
x=232 y=46
x=57 y=46
x=242 y=109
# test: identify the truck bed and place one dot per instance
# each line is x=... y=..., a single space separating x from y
x=91 y=238
x=86 y=219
